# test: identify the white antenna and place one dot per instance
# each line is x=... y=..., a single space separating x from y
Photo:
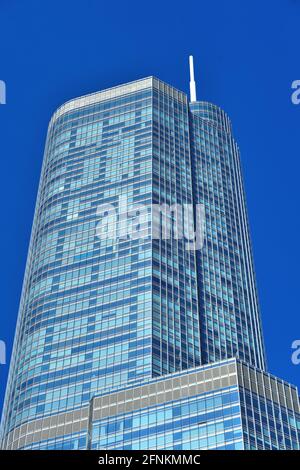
x=192 y=80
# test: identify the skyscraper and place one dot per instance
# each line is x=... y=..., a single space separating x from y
x=128 y=342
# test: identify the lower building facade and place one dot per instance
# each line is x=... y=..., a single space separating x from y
x=227 y=405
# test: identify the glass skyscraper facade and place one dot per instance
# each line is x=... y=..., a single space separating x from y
x=229 y=313
x=138 y=342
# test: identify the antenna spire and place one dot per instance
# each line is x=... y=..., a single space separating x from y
x=192 y=80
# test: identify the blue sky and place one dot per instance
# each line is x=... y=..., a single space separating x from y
x=246 y=57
